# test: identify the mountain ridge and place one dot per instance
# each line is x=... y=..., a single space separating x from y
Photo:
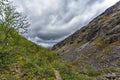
x=97 y=44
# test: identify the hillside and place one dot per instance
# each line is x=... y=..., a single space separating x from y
x=24 y=60
x=95 y=46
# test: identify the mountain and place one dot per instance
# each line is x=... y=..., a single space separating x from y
x=95 y=46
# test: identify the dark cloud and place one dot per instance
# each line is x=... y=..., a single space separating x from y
x=53 y=20
x=94 y=1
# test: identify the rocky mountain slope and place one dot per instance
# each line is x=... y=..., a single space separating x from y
x=96 y=45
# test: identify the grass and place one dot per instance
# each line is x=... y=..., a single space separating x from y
x=24 y=60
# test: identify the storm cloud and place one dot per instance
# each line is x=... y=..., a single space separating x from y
x=54 y=20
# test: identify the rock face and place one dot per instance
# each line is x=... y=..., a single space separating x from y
x=96 y=44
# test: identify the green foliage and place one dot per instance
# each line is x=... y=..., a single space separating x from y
x=11 y=19
x=26 y=61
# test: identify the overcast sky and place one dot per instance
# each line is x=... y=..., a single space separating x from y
x=53 y=20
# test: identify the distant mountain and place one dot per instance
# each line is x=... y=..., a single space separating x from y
x=96 y=45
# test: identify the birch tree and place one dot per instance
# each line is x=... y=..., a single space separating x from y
x=10 y=20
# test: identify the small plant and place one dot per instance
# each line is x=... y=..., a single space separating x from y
x=91 y=71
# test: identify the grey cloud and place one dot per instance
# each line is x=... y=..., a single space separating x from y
x=53 y=20
x=94 y=1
